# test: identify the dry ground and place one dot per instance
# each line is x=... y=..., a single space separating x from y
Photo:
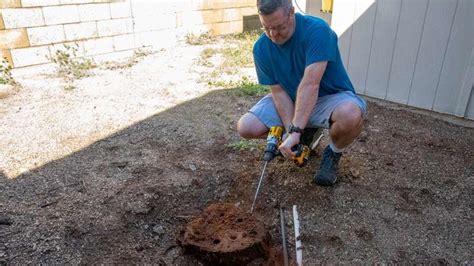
x=109 y=173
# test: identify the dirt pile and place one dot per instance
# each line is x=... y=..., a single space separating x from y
x=225 y=234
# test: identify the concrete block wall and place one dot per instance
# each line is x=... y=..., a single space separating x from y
x=32 y=30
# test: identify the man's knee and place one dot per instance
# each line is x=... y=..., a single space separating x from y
x=250 y=127
x=348 y=116
x=242 y=127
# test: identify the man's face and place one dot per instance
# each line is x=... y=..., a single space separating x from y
x=279 y=26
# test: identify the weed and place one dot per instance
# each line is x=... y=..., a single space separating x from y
x=242 y=145
x=222 y=84
x=6 y=74
x=138 y=55
x=245 y=86
x=69 y=87
x=236 y=53
x=206 y=54
x=201 y=39
x=69 y=67
x=250 y=88
x=239 y=53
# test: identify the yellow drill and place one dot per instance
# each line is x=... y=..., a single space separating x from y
x=274 y=140
x=271 y=151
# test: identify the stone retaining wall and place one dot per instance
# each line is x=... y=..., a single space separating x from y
x=32 y=30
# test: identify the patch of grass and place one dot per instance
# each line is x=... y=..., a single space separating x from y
x=206 y=55
x=201 y=39
x=239 y=53
x=245 y=86
x=137 y=56
x=70 y=67
x=236 y=52
x=242 y=145
x=6 y=74
x=250 y=88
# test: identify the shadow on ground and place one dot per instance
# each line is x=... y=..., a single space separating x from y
x=404 y=191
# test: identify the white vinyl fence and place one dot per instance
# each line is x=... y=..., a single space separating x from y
x=414 y=52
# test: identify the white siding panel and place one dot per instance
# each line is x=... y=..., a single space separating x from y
x=467 y=89
x=343 y=17
x=386 y=23
x=359 y=52
x=439 y=19
x=344 y=43
x=456 y=60
x=408 y=39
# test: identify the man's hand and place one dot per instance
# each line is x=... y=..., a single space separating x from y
x=292 y=140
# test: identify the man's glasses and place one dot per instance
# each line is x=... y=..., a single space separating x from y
x=279 y=28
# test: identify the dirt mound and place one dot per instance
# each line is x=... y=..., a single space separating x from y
x=225 y=234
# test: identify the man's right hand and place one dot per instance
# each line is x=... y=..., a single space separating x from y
x=291 y=140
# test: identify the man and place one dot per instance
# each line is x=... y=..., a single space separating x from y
x=299 y=59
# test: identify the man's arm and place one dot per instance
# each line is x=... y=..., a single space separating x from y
x=283 y=104
x=306 y=98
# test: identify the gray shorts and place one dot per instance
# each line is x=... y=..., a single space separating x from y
x=266 y=112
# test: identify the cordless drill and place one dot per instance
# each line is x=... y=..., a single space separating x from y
x=271 y=151
x=274 y=140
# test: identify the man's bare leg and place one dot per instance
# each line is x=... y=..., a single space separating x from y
x=346 y=126
x=250 y=127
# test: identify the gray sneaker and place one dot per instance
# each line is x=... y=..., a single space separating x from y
x=327 y=174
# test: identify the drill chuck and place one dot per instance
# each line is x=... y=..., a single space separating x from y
x=270 y=153
x=273 y=141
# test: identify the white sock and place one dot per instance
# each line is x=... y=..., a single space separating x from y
x=335 y=149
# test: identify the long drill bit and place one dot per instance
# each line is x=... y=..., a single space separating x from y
x=258 y=187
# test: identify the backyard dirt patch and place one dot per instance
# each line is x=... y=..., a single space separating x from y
x=112 y=171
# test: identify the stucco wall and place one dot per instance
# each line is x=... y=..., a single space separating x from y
x=32 y=30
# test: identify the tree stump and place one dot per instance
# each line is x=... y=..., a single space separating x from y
x=225 y=234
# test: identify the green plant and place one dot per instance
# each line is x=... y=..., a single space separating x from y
x=69 y=66
x=206 y=54
x=6 y=74
x=242 y=145
x=201 y=39
x=239 y=51
x=250 y=88
x=138 y=55
x=245 y=86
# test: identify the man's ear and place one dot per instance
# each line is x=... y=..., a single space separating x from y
x=292 y=10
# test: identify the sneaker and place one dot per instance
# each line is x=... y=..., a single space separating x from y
x=327 y=174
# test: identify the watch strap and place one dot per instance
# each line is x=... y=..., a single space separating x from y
x=294 y=128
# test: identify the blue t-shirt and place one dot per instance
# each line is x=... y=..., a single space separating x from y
x=313 y=41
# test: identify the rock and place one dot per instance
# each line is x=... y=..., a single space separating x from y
x=159 y=230
x=138 y=207
x=121 y=164
x=4 y=220
x=6 y=90
x=355 y=173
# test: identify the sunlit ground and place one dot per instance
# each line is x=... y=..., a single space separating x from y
x=52 y=117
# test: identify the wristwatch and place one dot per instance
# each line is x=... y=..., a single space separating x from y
x=294 y=128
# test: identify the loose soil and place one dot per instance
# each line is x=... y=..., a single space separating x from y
x=113 y=171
